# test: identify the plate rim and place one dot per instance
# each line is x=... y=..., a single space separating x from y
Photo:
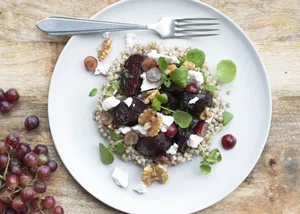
x=265 y=74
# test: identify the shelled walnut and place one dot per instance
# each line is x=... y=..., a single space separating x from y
x=170 y=68
x=104 y=48
x=206 y=114
x=150 y=96
x=189 y=65
x=151 y=122
x=152 y=173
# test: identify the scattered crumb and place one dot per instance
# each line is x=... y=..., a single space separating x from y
x=272 y=161
x=228 y=92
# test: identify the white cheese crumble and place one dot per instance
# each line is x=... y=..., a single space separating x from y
x=140 y=129
x=128 y=101
x=102 y=69
x=194 y=141
x=195 y=76
x=140 y=188
x=129 y=40
x=170 y=59
x=166 y=121
x=110 y=103
x=147 y=85
x=120 y=177
x=194 y=100
x=173 y=149
x=124 y=129
x=106 y=35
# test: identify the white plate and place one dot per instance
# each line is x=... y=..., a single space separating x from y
x=76 y=136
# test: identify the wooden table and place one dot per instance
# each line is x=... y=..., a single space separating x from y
x=27 y=59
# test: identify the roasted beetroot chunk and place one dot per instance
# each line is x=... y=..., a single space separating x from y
x=175 y=90
x=205 y=100
x=131 y=81
x=172 y=102
x=184 y=134
x=153 y=146
x=124 y=115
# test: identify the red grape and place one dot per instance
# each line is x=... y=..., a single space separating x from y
x=36 y=212
x=44 y=172
x=22 y=149
x=28 y=193
x=1 y=206
x=32 y=170
x=25 y=179
x=36 y=203
x=10 y=210
x=31 y=159
x=14 y=162
x=171 y=131
x=90 y=63
x=106 y=118
x=228 y=141
x=164 y=158
x=2 y=95
x=48 y=202
x=6 y=195
x=58 y=210
x=40 y=186
x=131 y=138
x=32 y=122
x=3 y=160
x=192 y=88
x=201 y=128
x=5 y=107
x=12 y=95
x=16 y=169
x=24 y=211
x=42 y=160
x=53 y=165
x=12 y=140
x=18 y=204
x=41 y=149
x=3 y=146
x=12 y=181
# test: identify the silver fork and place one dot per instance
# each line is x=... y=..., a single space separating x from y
x=166 y=27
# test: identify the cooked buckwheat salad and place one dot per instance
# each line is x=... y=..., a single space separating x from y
x=161 y=107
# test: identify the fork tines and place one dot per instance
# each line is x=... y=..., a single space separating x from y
x=184 y=27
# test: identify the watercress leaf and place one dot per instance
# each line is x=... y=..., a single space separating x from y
x=93 y=92
x=114 y=136
x=1 y=10
x=211 y=160
x=211 y=88
x=179 y=76
x=183 y=119
x=205 y=169
x=181 y=60
x=120 y=148
x=156 y=104
x=226 y=71
x=110 y=89
x=162 y=98
x=213 y=153
x=167 y=83
x=116 y=85
x=204 y=79
x=227 y=117
x=106 y=155
x=164 y=77
x=196 y=56
x=162 y=64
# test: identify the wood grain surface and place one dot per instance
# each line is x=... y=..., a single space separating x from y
x=27 y=59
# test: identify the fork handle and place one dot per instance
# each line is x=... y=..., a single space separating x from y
x=60 y=25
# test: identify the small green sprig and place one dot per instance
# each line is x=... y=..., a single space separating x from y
x=110 y=89
x=158 y=101
x=214 y=157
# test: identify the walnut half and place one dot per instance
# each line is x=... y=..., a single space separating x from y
x=150 y=96
x=151 y=122
x=152 y=173
x=206 y=114
x=189 y=65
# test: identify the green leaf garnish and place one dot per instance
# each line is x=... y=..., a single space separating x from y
x=162 y=64
x=106 y=155
x=93 y=92
x=158 y=100
x=168 y=83
x=116 y=85
x=211 y=88
x=196 y=56
x=179 y=76
x=213 y=158
x=204 y=79
x=226 y=71
x=181 y=60
x=183 y=119
x=227 y=117
x=1 y=10
x=205 y=169
x=120 y=148
x=114 y=136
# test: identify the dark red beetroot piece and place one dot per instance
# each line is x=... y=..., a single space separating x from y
x=184 y=134
x=124 y=115
x=205 y=100
x=153 y=146
x=172 y=102
x=131 y=81
x=175 y=90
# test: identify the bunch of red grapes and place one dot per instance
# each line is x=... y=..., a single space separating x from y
x=7 y=99
x=23 y=173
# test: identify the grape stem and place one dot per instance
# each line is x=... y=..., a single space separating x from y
x=6 y=168
x=112 y=146
x=167 y=109
x=210 y=136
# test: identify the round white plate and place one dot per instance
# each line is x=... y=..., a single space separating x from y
x=76 y=136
